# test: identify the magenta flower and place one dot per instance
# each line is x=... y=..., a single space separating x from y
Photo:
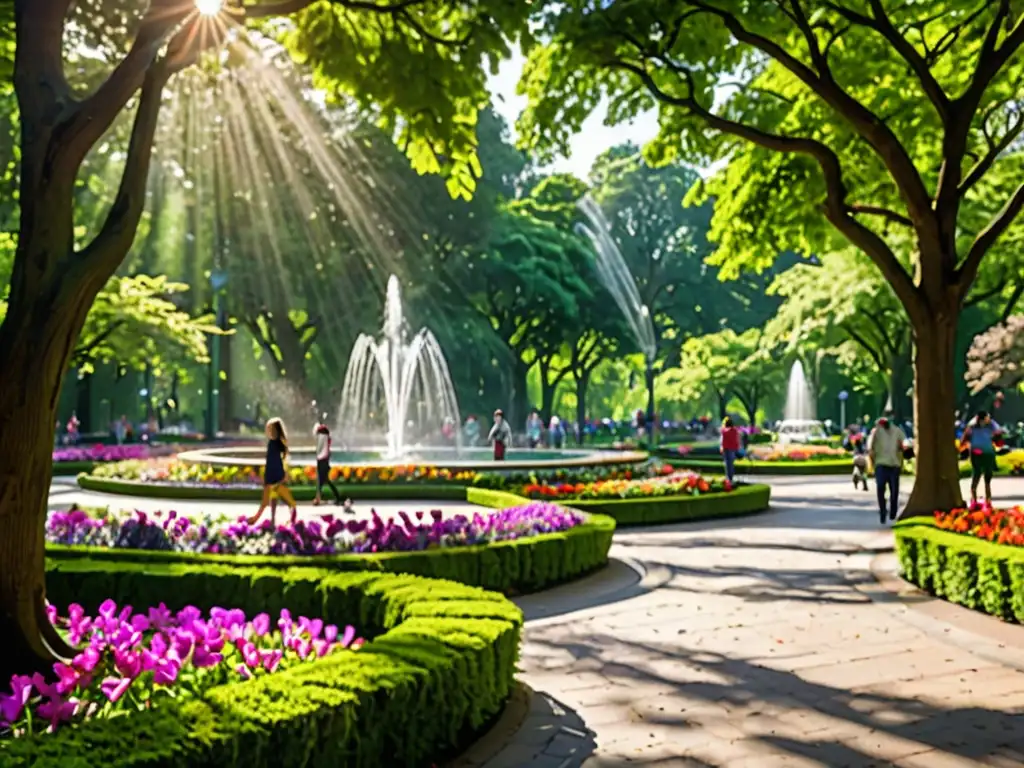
x=260 y=624
x=113 y=688
x=11 y=706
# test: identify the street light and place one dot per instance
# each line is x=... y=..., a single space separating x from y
x=649 y=376
x=843 y=397
x=218 y=282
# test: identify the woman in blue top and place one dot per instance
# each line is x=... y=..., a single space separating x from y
x=273 y=472
x=980 y=433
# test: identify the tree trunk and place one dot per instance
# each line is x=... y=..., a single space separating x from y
x=35 y=346
x=937 y=483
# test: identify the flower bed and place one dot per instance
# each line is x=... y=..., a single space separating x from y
x=1003 y=526
x=670 y=483
x=963 y=568
x=659 y=509
x=130 y=660
x=510 y=551
x=438 y=666
x=170 y=532
x=795 y=454
x=749 y=466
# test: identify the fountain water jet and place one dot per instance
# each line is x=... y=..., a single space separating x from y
x=616 y=277
x=396 y=373
x=799 y=424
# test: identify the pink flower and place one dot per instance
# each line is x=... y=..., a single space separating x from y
x=13 y=705
x=113 y=688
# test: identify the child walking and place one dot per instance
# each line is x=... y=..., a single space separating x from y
x=860 y=462
x=273 y=472
x=323 y=463
x=500 y=435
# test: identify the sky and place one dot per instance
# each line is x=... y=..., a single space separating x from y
x=591 y=141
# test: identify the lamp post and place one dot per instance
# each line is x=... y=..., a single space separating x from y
x=843 y=397
x=218 y=282
x=649 y=376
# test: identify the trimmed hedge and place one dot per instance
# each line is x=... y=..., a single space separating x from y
x=438 y=667
x=972 y=572
x=515 y=566
x=355 y=491
x=72 y=468
x=751 y=467
x=742 y=500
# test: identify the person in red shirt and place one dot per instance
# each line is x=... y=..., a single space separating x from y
x=730 y=447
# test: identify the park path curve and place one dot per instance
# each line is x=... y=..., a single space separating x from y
x=762 y=642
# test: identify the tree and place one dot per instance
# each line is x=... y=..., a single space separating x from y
x=894 y=120
x=842 y=306
x=727 y=365
x=996 y=358
x=422 y=60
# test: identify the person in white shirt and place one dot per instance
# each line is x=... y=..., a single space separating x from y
x=885 y=448
x=323 y=463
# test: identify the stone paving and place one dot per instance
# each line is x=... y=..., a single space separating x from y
x=759 y=642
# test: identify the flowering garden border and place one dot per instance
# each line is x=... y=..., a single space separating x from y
x=753 y=467
x=438 y=667
x=514 y=566
x=741 y=500
x=965 y=570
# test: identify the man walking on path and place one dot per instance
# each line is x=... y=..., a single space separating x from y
x=885 y=449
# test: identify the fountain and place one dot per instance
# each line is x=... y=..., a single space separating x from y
x=618 y=280
x=799 y=424
x=393 y=373
x=616 y=277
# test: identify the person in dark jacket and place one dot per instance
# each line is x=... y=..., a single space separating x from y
x=274 y=474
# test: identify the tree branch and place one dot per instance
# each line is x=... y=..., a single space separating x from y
x=835 y=207
x=868 y=125
x=995 y=149
x=968 y=270
x=882 y=24
x=875 y=210
x=1011 y=303
x=118 y=232
x=82 y=351
x=863 y=343
x=980 y=296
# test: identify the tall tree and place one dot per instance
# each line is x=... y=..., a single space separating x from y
x=893 y=119
x=423 y=60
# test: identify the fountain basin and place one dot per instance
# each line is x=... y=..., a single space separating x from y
x=439 y=457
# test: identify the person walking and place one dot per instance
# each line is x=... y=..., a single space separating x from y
x=556 y=433
x=471 y=431
x=860 y=462
x=323 y=463
x=500 y=435
x=534 y=429
x=980 y=434
x=274 y=474
x=885 y=452
x=730 y=446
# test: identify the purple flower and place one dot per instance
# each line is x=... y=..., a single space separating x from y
x=12 y=706
x=260 y=624
x=113 y=688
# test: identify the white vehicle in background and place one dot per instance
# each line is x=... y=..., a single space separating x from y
x=801 y=431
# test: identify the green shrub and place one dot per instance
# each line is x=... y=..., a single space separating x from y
x=972 y=572
x=71 y=468
x=673 y=509
x=515 y=566
x=439 y=667
x=753 y=467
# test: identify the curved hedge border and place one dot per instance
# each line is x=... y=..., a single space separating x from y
x=355 y=491
x=515 y=566
x=71 y=468
x=743 y=500
x=438 y=667
x=962 y=569
x=751 y=467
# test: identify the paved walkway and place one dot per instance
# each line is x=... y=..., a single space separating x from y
x=764 y=642
x=65 y=491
